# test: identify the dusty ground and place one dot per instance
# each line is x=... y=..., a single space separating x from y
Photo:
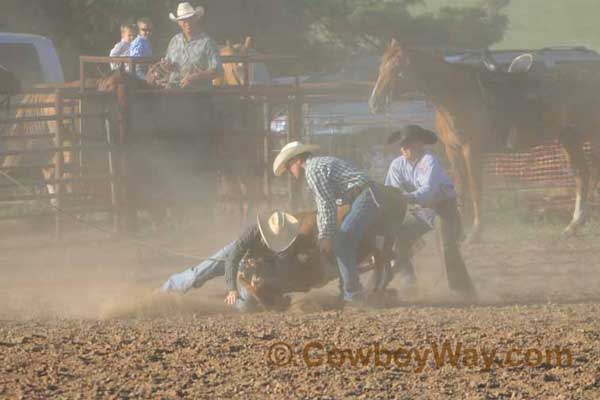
x=80 y=322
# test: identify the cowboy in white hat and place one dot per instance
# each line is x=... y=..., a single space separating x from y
x=425 y=183
x=270 y=239
x=331 y=179
x=273 y=233
x=192 y=56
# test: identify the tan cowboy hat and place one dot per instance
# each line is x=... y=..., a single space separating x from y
x=288 y=152
x=278 y=230
x=185 y=11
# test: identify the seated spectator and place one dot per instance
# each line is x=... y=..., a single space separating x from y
x=192 y=56
x=141 y=46
x=121 y=49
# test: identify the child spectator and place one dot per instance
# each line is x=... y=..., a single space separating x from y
x=141 y=47
x=121 y=49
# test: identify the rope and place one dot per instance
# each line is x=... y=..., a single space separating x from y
x=153 y=246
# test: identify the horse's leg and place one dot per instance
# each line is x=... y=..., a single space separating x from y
x=457 y=166
x=472 y=158
x=576 y=157
x=453 y=148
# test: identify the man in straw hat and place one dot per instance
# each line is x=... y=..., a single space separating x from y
x=427 y=187
x=331 y=179
x=271 y=238
x=192 y=56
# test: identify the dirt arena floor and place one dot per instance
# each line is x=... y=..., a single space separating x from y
x=81 y=321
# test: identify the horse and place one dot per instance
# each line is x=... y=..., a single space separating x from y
x=560 y=104
x=465 y=121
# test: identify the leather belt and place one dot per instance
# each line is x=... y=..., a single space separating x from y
x=354 y=192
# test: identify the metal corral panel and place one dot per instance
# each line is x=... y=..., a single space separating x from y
x=172 y=150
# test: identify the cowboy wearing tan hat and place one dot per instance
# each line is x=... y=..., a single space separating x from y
x=426 y=185
x=331 y=179
x=192 y=56
x=272 y=234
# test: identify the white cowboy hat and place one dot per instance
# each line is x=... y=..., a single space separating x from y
x=185 y=11
x=288 y=152
x=278 y=230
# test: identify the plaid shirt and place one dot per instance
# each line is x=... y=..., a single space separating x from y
x=201 y=52
x=330 y=179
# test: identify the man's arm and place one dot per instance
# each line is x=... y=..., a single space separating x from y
x=119 y=49
x=248 y=238
x=394 y=175
x=431 y=177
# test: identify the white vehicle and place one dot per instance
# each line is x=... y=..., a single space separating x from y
x=32 y=58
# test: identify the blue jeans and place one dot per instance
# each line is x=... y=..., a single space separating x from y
x=208 y=269
x=197 y=276
x=347 y=241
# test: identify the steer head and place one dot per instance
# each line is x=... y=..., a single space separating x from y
x=254 y=276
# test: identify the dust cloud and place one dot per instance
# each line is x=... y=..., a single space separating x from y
x=119 y=280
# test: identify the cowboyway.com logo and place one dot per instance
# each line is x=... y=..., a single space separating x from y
x=316 y=354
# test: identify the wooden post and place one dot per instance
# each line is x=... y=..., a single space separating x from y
x=246 y=74
x=116 y=211
x=267 y=152
x=58 y=163
x=81 y=75
x=127 y=208
x=294 y=133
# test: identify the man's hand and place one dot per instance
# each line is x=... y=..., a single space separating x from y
x=232 y=297
x=187 y=80
x=326 y=247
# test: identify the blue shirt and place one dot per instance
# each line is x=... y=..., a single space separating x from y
x=330 y=179
x=425 y=184
x=140 y=47
x=198 y=53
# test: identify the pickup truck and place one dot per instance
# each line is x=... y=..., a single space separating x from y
x=32 y=58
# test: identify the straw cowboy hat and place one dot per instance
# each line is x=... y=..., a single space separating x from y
x=185 y=11
x=288 y=152
x=278 y=230
x=412 y=133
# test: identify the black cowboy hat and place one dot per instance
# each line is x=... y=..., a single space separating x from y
x=412 y=133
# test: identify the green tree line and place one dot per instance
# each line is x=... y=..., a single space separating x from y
x=322 y=33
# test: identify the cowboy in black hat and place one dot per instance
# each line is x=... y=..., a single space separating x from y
x=429 y=189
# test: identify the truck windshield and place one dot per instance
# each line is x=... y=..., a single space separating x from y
x=22 y=59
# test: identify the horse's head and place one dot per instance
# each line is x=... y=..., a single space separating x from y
x=393 y=66
x=233 y=73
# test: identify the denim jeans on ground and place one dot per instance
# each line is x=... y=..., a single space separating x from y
x=347 y=242
x=197 y=276
x=208 y=269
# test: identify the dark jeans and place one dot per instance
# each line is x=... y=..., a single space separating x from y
x=403 y=236
x=450 y=230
